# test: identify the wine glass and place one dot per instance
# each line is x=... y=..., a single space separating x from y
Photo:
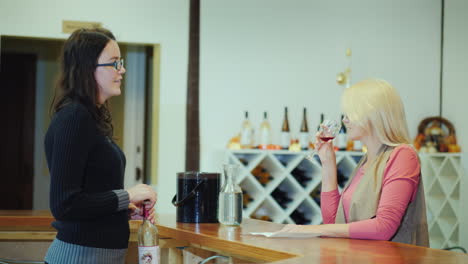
x=328 y=130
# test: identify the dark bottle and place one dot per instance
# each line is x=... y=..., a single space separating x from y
x=243 y=161
x=285 y=133
x=301 y=176
x=281 y=197
x=315 y=194
x=342 y=138
x=341 y=178
x=262 y=175
x=246 y=199
x=304 y=132
x=321 y=121
x=299 y=217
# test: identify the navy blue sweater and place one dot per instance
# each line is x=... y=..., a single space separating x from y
x=87 y=174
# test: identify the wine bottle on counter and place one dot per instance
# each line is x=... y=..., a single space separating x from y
x=281 y=197
x=262 y=175
x=304 y=132
x=264 y=132
x=285 y=132
x=246 y=199
x=342 y=138
x=148 y=240
x=299 y=217
x=247 y=133
x=301 y=176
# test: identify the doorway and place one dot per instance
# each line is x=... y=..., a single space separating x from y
x=18 y=80
x=41 y=75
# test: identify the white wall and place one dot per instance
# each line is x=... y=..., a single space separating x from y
x=455 y=82
x=266 y=54
x=455 y=92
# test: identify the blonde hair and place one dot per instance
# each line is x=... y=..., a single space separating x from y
x=376 y=106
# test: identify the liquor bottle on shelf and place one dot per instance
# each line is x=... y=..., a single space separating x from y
x=247 y=133
x=301 y=176
x=246 y=199
x=281 y=197
x=299 y=217
x=342 y=138
x=304 y=132
x=264 y=133
x=285 y=132
x=262 y=175
x=321 y=121
x=148 y=240
x=315 y=194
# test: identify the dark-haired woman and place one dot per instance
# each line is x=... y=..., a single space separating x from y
x=87 y=196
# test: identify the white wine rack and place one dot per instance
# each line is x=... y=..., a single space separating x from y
x=442 y=177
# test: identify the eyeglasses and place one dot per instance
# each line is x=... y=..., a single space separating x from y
x=118 y=64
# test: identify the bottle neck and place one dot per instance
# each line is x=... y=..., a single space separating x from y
x=145 y=213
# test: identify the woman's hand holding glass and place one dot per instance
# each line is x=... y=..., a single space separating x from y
x=329 y=129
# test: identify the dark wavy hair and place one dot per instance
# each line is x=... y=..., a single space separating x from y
x=76 y=81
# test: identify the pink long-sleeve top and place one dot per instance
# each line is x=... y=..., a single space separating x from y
x=399 y=187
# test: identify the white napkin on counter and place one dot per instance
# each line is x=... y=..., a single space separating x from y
x=284 y=234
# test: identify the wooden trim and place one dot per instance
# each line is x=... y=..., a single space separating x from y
x=192 y=131
x=153 y=132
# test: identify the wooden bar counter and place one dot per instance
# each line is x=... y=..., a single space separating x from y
x=21 y=226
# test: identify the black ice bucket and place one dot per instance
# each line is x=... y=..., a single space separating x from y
x=197 y=197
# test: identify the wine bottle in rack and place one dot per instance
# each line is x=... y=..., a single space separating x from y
x=301 y=176
x=244 y=162
x=148 y=240
x=315 y=194
x=341 y=178
x=264 y=133
x=281 y=197
x=285 y=132
x=299 y=217
x=262 y=175
x=304 y=132
x=247 y=133
x=342 y=138
x=246 y=199
x=261 y=214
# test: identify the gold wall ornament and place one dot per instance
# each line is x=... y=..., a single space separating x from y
x=341 y=78
x=344 y=78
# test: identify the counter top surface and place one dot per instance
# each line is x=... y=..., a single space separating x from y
x=238 y=242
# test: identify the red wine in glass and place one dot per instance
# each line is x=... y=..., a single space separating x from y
x=326 y=139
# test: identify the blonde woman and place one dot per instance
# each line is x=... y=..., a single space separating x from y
x=384 y=197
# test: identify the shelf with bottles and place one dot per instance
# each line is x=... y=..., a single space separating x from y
x=280 y=183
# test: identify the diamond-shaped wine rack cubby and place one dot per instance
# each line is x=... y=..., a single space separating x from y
x=284 y=187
